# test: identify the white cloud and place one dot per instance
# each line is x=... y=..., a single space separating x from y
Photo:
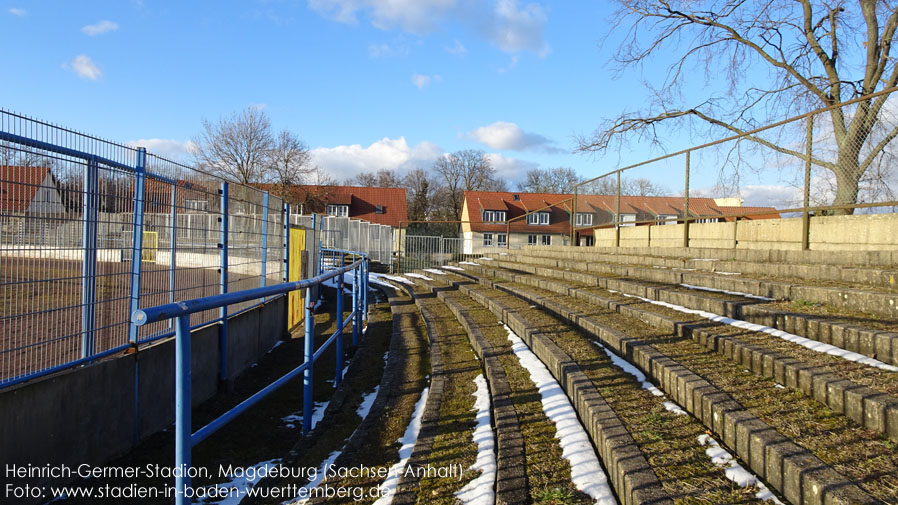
x=84 y=67
x=515 y=29
x=509 y=136
x=457 y=49
x=15 y=11
x=506 y=24
x=422 y=81
x=345 y=162
x=510 y=169
x=174 y=150
x=100 y=28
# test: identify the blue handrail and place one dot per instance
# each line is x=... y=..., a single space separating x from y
x=181 y=311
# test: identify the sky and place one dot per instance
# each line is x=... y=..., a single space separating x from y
x=367 y=84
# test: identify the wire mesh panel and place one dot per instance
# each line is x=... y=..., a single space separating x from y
x=91 y=230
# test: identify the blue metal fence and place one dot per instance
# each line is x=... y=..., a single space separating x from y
x=91 y=230
x=180 y=313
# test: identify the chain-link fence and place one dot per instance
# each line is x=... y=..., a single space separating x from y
x=91 y=230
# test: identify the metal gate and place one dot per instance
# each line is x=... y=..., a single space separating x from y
x=423 y=251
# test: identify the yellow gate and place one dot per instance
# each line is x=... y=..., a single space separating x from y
x=150 y=246
x=295 y=299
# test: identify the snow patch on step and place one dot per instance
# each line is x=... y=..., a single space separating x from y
x=480 y=490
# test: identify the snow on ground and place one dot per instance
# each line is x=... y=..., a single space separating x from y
x=480 y=490
x=450 y=267
x=733 y=470
x=388 y=488
x=789 y=337
x=468 y=263
x=485 y=258
x=736 y=293
x=275 y=346
x=729 y=273
x=362 y=411
x=418 y=276
x=395 y=278
x=586 y=472
x=626 y=366
x=246 y=479
x=296 y=418
x=435 y=271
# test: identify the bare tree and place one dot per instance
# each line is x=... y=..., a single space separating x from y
x=420 y=191
x=236 y=148
x=288 y=163
x=468 y=170
x=381 y=179
x=818 y=53
x=550 y=180
x=628 y=187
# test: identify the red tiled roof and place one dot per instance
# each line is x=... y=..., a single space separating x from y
x=18 y=185
x=362 y=201
x=646 y=208
x=765 y=212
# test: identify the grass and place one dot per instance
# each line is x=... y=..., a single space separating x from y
x=668 y=441
x=857 y=453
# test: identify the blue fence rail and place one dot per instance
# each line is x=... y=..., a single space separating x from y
x=91 y=230
x=180 y=313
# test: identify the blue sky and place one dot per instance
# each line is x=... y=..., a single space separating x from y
x=368 y=84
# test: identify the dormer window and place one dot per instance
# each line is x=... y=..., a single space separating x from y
x=538 y=218
x=494 y=216
x=584 y=219
x=338 y=210
x=379 y=209
x=516 y=197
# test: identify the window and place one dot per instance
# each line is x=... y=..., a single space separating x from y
x=706 y=220
x=487 y=240
x=196 y=204
x=379 y=209
x=628 y=219
x=538 y=218
x=338 y=210
x=586 y=241
x=502 y=240
x=546 y=239
x=494 y=216
x=584 y=219
x=531 y=239
x=666 y=219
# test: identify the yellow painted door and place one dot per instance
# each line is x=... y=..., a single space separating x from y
x=295 y=299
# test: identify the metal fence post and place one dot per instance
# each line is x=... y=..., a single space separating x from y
x=339 y=375
x=286 y=271
x=173 y=246
x=89 y=264
x=365 y=267
x=355 y=306
x=686 y=205
x=140 y=176
x=806 y=215
x=183 y=425
x=223 y=284
x=264 y=267
x=574 y=217
x=617 y=214
x=308 y=403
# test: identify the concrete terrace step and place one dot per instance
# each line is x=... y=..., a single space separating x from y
x=631 y=476
x=793 y=470
x=883 y=304
x=511 y=480
x=867 y=407
x=882 y=345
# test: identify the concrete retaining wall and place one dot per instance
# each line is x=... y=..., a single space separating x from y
x=95 y=413
x=864 y=232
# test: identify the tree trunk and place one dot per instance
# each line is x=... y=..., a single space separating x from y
x=847 y=179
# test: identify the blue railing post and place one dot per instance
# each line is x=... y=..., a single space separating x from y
x=173 y=251
x=183 y=425
x=264 y=241
x=308 y=376
x=90 y=204
x=223 y=285
x=355 y=306
x=365 y=267
x=140 y=176
x=339 y=377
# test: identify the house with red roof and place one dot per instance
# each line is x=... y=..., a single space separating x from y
x=385 y=206
x=496 y=219
x=27 y=195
